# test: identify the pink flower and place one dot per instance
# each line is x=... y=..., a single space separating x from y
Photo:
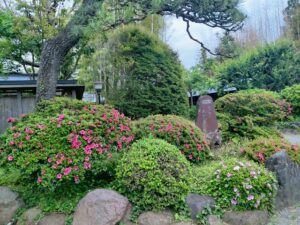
x=54 y=166
x=250 y=197
x=60 y=117
x=39 y=180
x=87 y=159
x=17 y=135
x=109 y=156
x=11 y=120
x=261 y=156
x=190 y=156
x=28 y=137
x=40 y=126
x=76 y=168
x=229 y=175
x=58 y=162
x=87 y=150
x=187 y=146
x=67 y=171
x=49 y=160
x=86 y=165
x=59 y=176
x=70 y=160
x=233 y=201
x=12 y=142
x=10 y=158
x=169 y=127
x=199 y=147
x=76 y=179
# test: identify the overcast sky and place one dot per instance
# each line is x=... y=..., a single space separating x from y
x=260 y=13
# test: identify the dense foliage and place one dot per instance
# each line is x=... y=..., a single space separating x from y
x=270 y=67
x=143 y=75
x=65 y=143
x=250 y=114
x=177 y=131
x=237 y=185
x=263 y=148
x=292 y=95
x=154 y=175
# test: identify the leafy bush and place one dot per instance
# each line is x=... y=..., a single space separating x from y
x=154 y=175
x=292 y=95
x=64 y=143
x=236 y=184
x=271 y=67
x=146 y=78
x=177 y=131
x=263 y=148
x=250 y=114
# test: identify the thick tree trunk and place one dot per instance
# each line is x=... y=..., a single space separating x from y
x=55 y=49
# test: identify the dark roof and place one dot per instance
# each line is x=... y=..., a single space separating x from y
x=30 y=85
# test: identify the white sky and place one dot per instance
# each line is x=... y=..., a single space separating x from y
x=260 y=13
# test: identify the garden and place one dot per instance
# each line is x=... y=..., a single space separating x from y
x=136 y=155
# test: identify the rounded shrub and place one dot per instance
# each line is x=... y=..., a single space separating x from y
x=237 y=184
x=263 y=148
x=292 y=95
x=65 y=142
x=154 y=175
x=250 y=114
x=177 y=131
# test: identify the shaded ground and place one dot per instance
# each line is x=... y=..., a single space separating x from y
x=294 y=138
x=288 y=216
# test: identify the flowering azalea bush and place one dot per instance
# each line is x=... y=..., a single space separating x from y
x=65 y=142
x=177 y=131
x=250 y=114
x=292 y=94
x=240 y=185
x=263 y=148
x=154 y=175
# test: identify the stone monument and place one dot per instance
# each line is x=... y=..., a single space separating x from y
x=207 y=120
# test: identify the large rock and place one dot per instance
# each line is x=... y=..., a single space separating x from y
x=246 y=218
x=29 y=217
x=101 y=207
x=53 y=219
x=215 y=220
x=197 y=203
x=288 y=175
x=152 y=218
x=9 y=203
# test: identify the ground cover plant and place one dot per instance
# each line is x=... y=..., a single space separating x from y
x=236 y=184
x=250 y=114
x=154 y=175
x=292 y=95
x=177 y=131
x=261 y=149
x=66 y=142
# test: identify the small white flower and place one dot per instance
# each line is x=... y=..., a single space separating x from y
x=237 y=168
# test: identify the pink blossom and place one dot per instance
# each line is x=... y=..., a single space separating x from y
x=49 y=160
x=87 y=159
x=12 y=142
x=40 y=126
x=54 y=166
x=58 y=162
x=70 y=160
x=87 y=165
x=76 y=168
x=250 y=197
x=28 y=130
x=109 y=156
x=233 y=201
x=229 y=175
x=17 y=135
x=59 y=176
x=60 y=117
x=199 y=147
x=88 y=150
x=124 y=128
x=187 y=146
x=28 y=137
x=190 y=156
x=39 y=180
x=76 y=179
x=169 y=127
x=11 y=120
x=261 y=156
x=67 y=170
x=10 y=158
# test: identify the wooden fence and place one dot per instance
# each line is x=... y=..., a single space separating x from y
x=14 y=106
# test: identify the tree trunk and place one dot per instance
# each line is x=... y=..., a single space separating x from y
x=55 y=49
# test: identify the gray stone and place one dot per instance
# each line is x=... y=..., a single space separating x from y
x=246 y=218
x=153 y=218
x=197 y=203
x=288 y=175
x=53 y=219
x=9 y=203
x=101 y=207
x=183 y=223
x=29 y=217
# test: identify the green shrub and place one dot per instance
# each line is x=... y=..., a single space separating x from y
x=177 y=131
x=263 y=148
x=292 y=95
x=250 y=114
x=64 y=143
x=236 y=184
x=154 y=175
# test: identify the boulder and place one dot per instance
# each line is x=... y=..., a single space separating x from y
x=29 y=217
x=215 y=220
x=197 y=203
x=101 y=207
x=53 y=219
x=288 y=175
x=153 y=218
x=9 y=203
x=247 y=218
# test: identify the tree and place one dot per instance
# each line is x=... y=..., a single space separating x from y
x=223 y=14
x=271 y=67
x=292 y=13
x=146 y=77
x=228 y=48
x=24 y=28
